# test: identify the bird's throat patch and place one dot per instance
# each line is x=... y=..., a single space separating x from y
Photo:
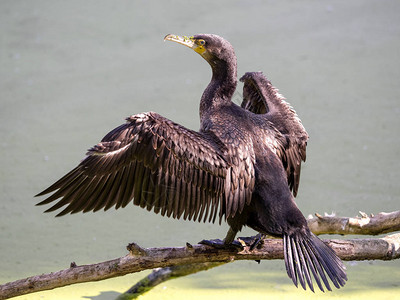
x=200 y=49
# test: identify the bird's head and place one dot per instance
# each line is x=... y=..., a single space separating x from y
x=213 y=48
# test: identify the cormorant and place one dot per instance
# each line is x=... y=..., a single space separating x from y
x=243 y=165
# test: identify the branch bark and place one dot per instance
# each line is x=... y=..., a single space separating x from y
x=366 y=225
x=139 y=259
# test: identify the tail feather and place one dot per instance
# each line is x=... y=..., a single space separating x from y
x=290 y=266
x=306 y=268
x=331 y=263
x=306 y=254
x=320 y=268
x=311 y=266
x=313 y=261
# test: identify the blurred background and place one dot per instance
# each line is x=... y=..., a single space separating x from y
x=70 y=71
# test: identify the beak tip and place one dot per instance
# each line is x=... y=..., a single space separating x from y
x=183 y=40
x=167 y=36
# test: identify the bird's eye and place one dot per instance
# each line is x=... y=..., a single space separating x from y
x=202 y=42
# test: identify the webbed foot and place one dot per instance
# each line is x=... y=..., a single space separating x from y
x=220 y=244
x=253 y=241
x=257 y=241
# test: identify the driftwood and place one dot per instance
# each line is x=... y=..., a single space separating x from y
x=138 y=259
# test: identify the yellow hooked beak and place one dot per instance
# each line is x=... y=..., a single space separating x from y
x=196 y=44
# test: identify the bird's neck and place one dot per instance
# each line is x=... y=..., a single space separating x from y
x=220 y=90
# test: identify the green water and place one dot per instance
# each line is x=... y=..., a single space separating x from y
x=71 y=70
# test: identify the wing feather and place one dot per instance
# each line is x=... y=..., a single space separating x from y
x=261 y=97
x=161 y=166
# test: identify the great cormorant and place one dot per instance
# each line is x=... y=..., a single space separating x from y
x=243 y=165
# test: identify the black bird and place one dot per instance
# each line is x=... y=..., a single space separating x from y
x=242 y=165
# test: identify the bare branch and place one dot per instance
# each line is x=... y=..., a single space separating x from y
x=355 y=249
x=367 y=225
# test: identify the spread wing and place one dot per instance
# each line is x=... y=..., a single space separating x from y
x=161 y=166
x=261 y=97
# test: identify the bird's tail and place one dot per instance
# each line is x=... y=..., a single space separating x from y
x=306 y=254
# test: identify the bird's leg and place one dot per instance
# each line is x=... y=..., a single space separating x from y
x=228 y=242
x=230 y=236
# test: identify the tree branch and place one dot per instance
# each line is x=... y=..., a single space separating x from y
x=139 y=259
x=355 y=249
x=366 y=225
